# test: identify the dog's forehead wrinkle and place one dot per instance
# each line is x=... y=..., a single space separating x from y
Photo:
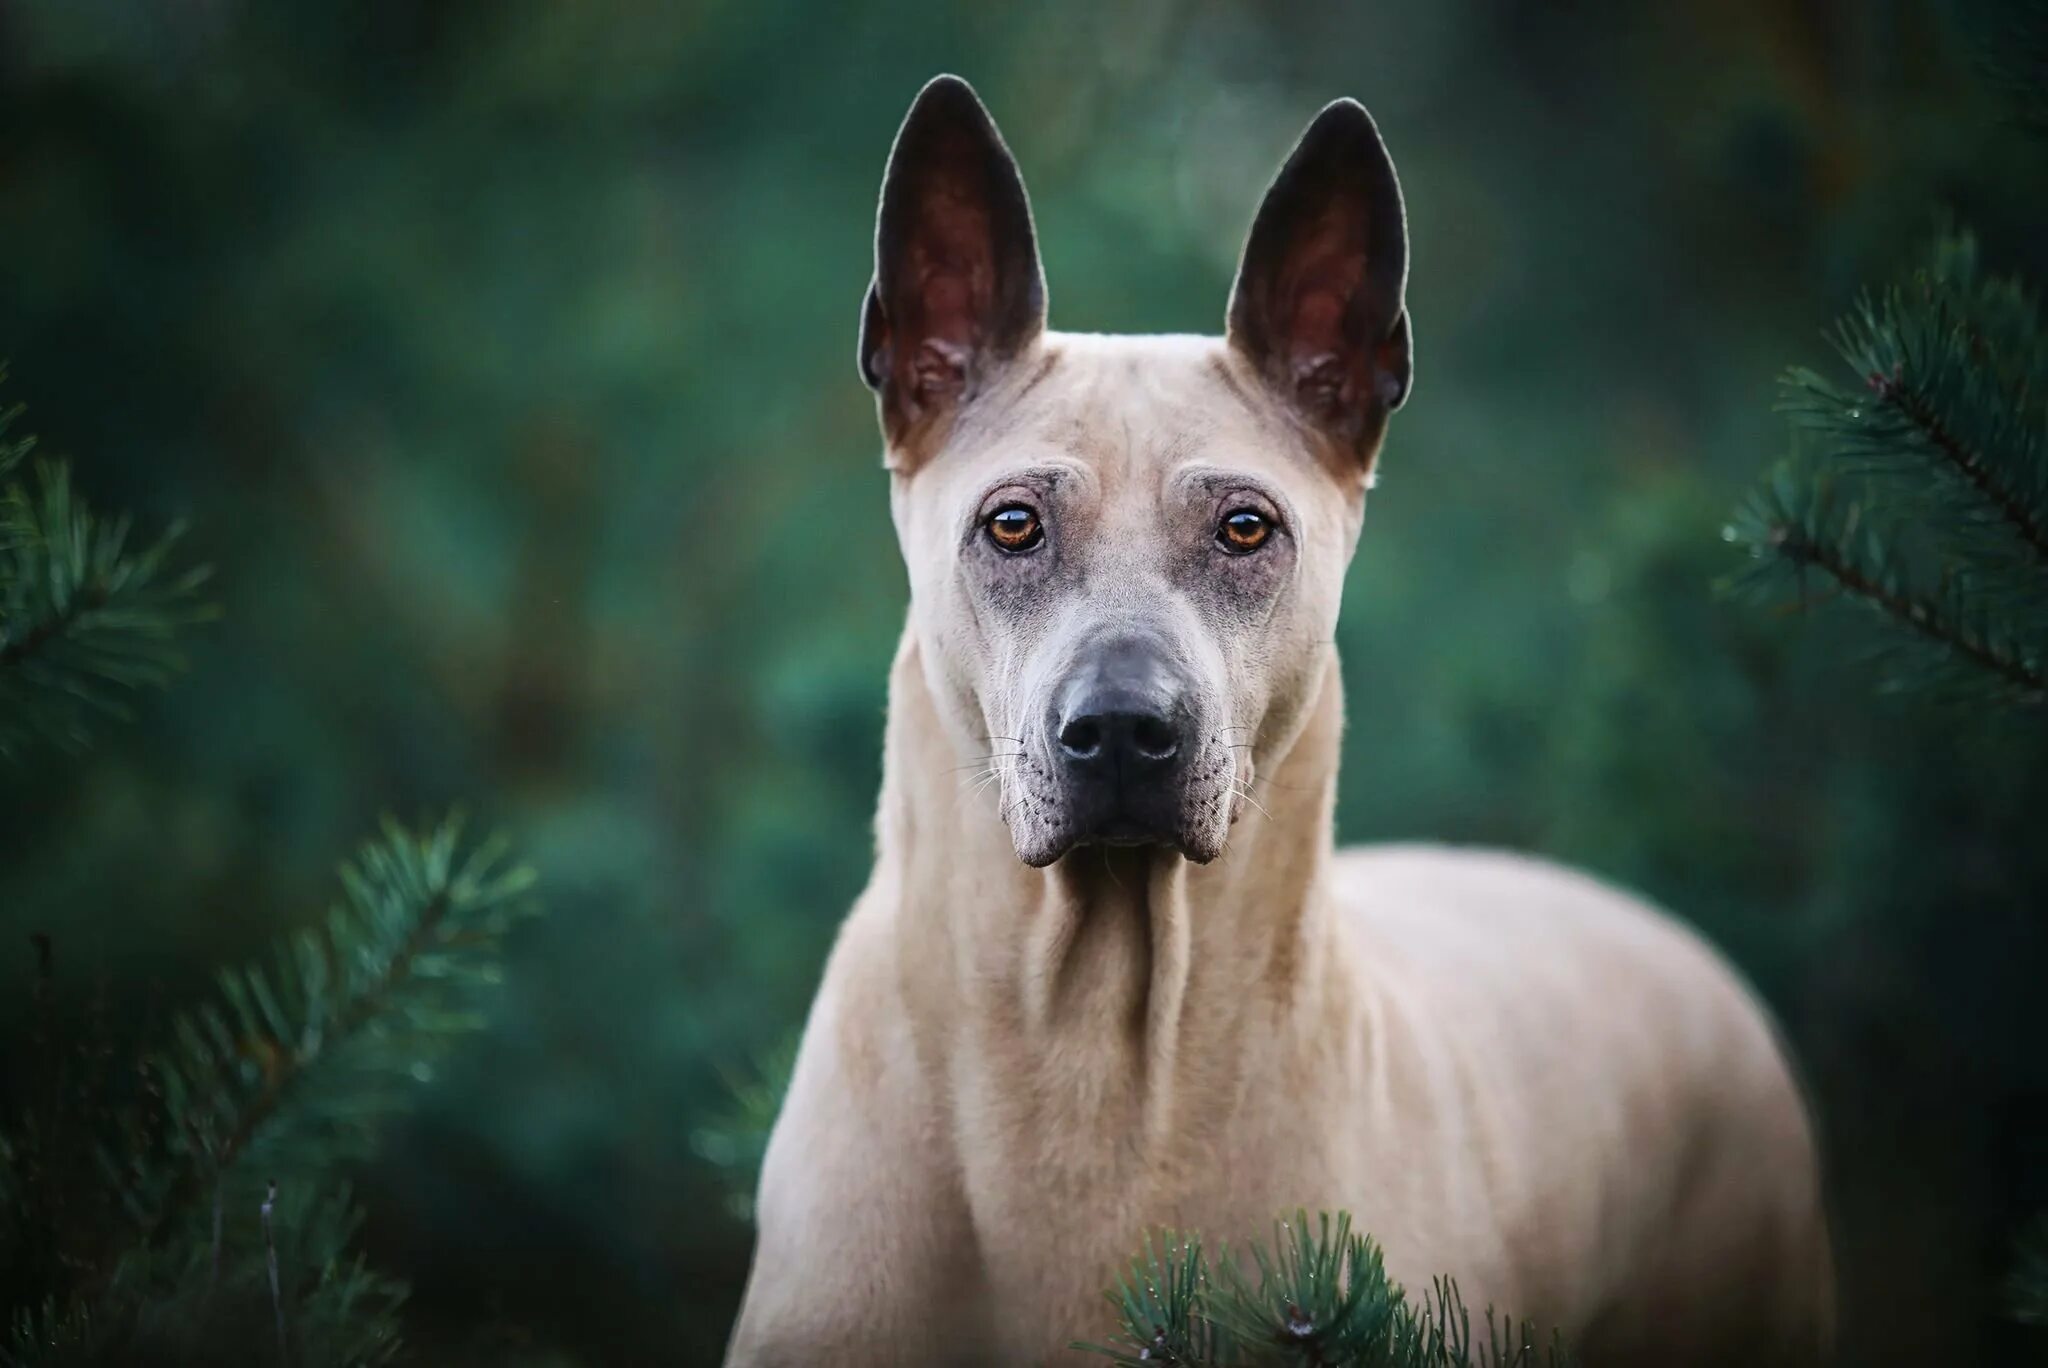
x=1123 y=408
x=1135 y=373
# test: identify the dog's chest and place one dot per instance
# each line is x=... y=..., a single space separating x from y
x=1069 y=1161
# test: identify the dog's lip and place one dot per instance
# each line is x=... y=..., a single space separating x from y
x=1118 y=827
x=1132 y=839
x=1124 y=831
x=1127 y=833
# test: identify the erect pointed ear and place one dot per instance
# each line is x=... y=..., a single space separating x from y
x=957 y=288
x=1319 y=303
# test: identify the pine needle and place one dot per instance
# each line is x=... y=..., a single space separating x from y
x=86 y=619
x=1317 y=1297
x=1919 y=489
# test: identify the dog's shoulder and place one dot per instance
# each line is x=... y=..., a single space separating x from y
x=1589 y=1020
x=1475 y=894
x=1549 y=943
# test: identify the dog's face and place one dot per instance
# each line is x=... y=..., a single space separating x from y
x=1126 y=553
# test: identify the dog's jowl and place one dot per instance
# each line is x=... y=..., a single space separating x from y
x=1120 y=978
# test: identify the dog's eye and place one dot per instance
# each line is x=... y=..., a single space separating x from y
x=1015 y=528
x=1243 y=531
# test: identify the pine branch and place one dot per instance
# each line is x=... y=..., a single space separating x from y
x=1447 y=1338
x=1321 y=1298
x=1922 y=492
x=84 y=619
x=1919 y=411
x=248 y=1114
x=1161 y=1306
x=1943 y=628
x=1952 y=368
x=1953 y=376
x=1956 y=640
x=130 y=1227
x=307 y=1059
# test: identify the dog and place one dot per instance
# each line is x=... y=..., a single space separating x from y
x=1121 y=979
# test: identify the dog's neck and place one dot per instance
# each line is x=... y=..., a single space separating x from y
x=1150 y=962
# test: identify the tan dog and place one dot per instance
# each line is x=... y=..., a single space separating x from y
x=1067 y=1009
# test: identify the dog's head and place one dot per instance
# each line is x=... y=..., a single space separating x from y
x=1126 y=553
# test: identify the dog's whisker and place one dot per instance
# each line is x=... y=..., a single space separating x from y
x=987 y=759
x=992 y=770
x=1247 y=796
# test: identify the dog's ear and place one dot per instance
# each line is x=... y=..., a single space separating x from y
x=1319 y=303
x=957 y=288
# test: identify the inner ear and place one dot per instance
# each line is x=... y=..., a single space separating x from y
x=1319 y=305
x=957 y=288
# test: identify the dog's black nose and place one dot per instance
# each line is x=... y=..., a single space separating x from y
x=1121 y=721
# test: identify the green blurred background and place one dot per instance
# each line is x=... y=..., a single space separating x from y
x=501 y=355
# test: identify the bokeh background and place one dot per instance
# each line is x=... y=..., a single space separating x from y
x=501 y=356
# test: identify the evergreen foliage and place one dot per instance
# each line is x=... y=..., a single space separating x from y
x=85 y=617
x=1318 y=1298
x=192 y=1205
x=1920 y=489
x=1921 y=492
x=198 y=1200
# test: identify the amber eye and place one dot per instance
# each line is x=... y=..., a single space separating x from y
x=1015 y=528
x=1245 y=530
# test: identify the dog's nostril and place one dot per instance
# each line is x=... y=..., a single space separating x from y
x=1081 y=738
x=1153 y=738
x=1093 y=739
